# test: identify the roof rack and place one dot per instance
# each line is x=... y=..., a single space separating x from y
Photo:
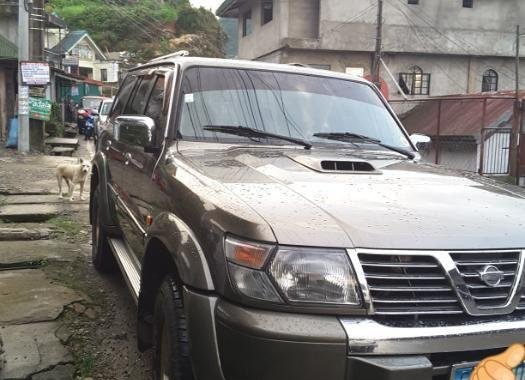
x=180 y=53
x=298 y=64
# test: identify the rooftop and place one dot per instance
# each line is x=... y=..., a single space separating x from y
x=461 y=115
x=72 y=39
x=7 y=49
x=229 y=8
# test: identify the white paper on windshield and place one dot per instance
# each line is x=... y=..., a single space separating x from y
x=189 y=98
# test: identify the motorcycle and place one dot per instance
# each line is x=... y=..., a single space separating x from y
x=89 y=127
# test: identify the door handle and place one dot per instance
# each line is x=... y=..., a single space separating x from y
x=108 y=144
x=128 y=158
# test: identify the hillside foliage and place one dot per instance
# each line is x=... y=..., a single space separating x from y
x=145 y=28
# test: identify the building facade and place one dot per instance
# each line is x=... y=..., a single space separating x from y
x=431 y=47
x=78 y=54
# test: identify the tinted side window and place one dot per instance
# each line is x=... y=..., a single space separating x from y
x=139 y=97
x=156 y=100
x=123 y=96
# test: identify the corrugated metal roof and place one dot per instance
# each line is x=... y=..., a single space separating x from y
x=69 y=41
x=73 y=38
x=7 y=49
x=461 y=115
x=229 y=8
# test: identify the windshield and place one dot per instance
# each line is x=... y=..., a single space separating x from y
x=106 y=107
x=294 y=105
x=91 y=103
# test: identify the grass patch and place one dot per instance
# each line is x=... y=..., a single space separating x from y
x=66 y=228
x=84 y=364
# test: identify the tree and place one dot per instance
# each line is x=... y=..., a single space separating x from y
x=142 y=27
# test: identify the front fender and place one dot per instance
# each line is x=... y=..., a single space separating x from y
x=184 y=248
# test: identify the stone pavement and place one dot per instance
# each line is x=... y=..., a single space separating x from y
x=32 y=340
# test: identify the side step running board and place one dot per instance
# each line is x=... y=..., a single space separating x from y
x=129 y=270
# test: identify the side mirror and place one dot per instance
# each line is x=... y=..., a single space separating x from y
x=137 y=131
x=419 y=139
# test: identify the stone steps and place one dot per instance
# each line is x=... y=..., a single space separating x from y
x=23 y=233
x=28 y=213
x=21 y=253
x=38 y=199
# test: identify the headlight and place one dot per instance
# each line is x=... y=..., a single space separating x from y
x=303 y=275
x=315 y=276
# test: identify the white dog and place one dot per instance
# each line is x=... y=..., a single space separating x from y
x=73 y=175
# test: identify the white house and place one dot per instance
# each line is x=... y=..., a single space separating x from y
x=80 y=55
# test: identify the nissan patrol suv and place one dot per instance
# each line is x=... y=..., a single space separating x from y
x=274 y=222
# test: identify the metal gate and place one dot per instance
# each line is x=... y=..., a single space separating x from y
x=495 y=150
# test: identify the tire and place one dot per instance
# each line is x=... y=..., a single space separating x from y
x=101 y=254
x=170 y=334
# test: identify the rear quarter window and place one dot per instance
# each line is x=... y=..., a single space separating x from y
x=123 y=96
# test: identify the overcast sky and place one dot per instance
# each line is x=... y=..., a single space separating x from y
x=213 y=4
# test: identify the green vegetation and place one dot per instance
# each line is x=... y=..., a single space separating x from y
x=146 y=28
x=65 y=228
x=55 y=127
x=84 y=364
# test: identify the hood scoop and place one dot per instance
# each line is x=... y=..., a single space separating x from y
x=336 y=165
x=346 y=166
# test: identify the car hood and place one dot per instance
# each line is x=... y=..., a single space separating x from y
x=400 y=205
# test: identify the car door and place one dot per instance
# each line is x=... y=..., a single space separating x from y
x=109 y=143
x=136 y=182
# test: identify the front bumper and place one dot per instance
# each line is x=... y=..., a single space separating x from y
x=367 y=337
x=230 y=342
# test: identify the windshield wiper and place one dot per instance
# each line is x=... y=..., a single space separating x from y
x=254 y=133
x=348 y=137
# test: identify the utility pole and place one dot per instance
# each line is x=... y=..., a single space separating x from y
x=379 y=40
x=517 y=61
x=23 y=91
x=515 y=154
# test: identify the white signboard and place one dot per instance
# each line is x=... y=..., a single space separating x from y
x=35 y=73
x=23 y=92
x=70 y=60
x=23 y=106
x=356 y=71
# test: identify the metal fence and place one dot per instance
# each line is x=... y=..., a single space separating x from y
x=495 y=150
x=472 y=133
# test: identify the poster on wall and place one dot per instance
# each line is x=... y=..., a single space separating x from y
x=35 y=73
x=39 y=108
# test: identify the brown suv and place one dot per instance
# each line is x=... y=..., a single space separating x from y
x=273 y=222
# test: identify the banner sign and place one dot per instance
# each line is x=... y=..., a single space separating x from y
x=39 y=108
x=23 y=100
x=70 y=60
x=35 y=73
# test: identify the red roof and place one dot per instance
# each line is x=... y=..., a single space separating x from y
x=92 y=81
x=461 y=115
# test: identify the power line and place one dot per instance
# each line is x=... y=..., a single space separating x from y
x=415 y=31
x=133 y=21
x=123 y=12
x=354 y=18
x=429 y=23
x=151 y=23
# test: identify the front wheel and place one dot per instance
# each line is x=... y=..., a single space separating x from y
x=170 y=338
x=101 y=254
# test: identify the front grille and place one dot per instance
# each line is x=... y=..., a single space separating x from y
x=521 y=305
x=407 y=285
x=472 y=263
